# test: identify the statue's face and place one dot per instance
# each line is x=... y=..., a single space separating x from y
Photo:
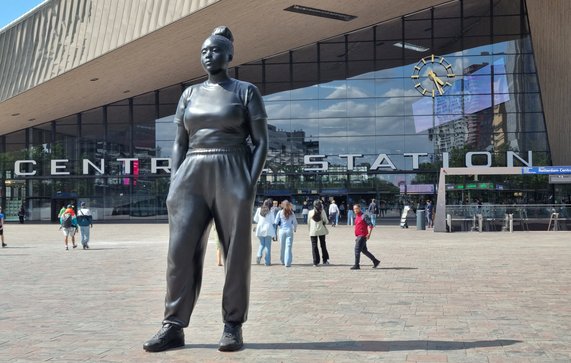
x=214 y=56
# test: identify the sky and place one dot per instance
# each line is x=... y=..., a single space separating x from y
x=11 y=10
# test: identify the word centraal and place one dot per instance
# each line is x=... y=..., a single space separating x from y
x=311 y=162
x=59 y=166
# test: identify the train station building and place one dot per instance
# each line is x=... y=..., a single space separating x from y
x=365 y=99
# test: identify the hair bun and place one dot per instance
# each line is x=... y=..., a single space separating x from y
x=223 y=31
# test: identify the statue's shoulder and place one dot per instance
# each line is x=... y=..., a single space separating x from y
x=243 y=85
x=190 y=89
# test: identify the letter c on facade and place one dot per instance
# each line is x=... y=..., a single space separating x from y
x=18 y=168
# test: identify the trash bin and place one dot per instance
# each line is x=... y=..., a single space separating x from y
x=420 y=219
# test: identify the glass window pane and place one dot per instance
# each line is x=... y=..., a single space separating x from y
x=304 y=109
x=304 y=90
x=278 y=109
x=335 y=89
x=305 y=72
x=305 y=54
x=507 y=25
x=332 y=52
x=331 y=71
x=391 y=30
x=417 y=29
x=361 y=51
x=361 y=107
x=277 y=72
x=390 y=125
x=332 y=108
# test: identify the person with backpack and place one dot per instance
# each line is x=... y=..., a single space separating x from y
x=373 y=210
x=85 y=222
x=68 y=225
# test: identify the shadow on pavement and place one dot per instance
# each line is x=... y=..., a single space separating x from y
x=373 y=346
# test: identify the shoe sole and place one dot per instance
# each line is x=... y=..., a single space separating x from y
x=171 y=345
x=230 y=348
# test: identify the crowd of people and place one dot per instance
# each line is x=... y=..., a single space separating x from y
x=275 y=221
x=71 y=222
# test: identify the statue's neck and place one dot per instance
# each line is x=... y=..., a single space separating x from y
x=218 y=77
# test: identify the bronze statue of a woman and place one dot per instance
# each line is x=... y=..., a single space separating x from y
x=213 y=178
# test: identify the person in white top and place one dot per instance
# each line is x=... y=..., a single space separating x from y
x=305 y=212
x=317 y=230
x=85 y=222
x=265 y=231
x=333 y=213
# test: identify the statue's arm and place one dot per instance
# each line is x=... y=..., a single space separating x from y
x=179 y=149
x=259 y=136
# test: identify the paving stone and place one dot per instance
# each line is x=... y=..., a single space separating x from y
x=459 y=297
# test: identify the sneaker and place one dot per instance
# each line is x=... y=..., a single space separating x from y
x=231 y=340
x=4 y=245
x=258 y=259
x=376 y=263
x=356 y=267
x=326 y=262
x=314 y=265
x=84 y=247
x=168 y=337
x=74 y=246
x=66 y=248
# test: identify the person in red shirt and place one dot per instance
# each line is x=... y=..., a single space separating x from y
x=363 y=229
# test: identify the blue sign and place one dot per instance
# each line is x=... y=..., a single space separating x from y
x=547 y=170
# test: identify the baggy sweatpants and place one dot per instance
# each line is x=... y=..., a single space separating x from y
x=210 y=184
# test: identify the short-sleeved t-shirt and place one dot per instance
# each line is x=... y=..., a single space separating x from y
x=217 y=115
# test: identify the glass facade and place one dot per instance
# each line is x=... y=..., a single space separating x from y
x=347 y=119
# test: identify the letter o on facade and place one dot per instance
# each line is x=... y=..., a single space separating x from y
x=470 y=155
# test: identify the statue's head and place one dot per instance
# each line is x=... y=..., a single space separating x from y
x=217 y=50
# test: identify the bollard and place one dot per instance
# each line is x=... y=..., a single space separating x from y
x=420 y=219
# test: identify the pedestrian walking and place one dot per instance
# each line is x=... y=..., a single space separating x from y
x=265 y=231
x=2 y=228
x=373 y=210
x=350 y=215
x=305 y=212
x=333 y=213
x=22 y=213
x=287 y=223
x=68 y=225
x=317 y=230
x=363 y=229
x=85 y=222
x=429 y=213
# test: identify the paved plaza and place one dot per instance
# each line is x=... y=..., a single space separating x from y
x=459 y=297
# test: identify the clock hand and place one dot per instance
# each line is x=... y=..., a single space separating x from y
x=437 y=81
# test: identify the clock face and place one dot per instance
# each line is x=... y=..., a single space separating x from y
x=431 y=76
